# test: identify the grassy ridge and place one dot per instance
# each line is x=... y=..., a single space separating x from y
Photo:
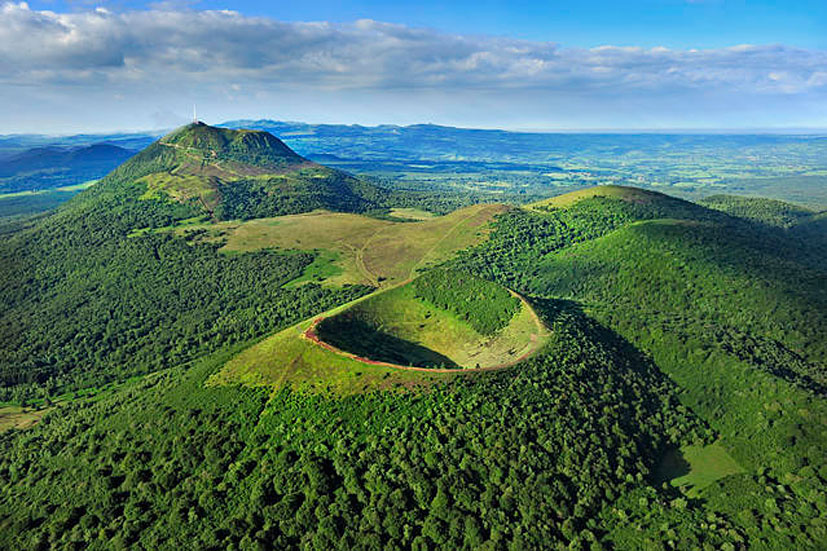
x=623 y=193
x=286 y=360
x=364 y=249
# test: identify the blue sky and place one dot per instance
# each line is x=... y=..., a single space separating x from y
x=80 y=65
x=674 y=23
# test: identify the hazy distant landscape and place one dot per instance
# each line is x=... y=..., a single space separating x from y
x=509 y=166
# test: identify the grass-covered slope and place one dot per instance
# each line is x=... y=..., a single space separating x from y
x=290 y=360
x=356 y=248
x=360 y=346
x=623 y=193
x=484 y=305
x=431 y=322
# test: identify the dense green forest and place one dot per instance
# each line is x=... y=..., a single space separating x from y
x=301 y=191
x=767 y=211
x=522 y=459
x=135 y=305
x=677 y=331
x=731 y=311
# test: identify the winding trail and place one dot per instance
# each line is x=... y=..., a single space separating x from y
x=439 y=242
x=363 y=267
x=193 y=155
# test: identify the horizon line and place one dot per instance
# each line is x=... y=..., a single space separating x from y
x=743 y=131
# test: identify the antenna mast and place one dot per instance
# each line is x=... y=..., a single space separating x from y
x=194 y=115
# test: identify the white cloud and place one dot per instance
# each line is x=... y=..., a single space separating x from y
x=214 y=44
x=151 y=52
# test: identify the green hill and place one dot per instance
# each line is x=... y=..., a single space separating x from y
x=758 y=209
x=135 y=303
x=227 y=174
x=677 y=401
x=731 y=310
x=251 y=147
x=624 y=193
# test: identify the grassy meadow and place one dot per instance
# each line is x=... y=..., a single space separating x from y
x=696 y=467
x=358 y=249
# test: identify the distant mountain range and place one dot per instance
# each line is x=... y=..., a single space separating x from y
x=787 y=167
x=52 y=166
x=446 y=143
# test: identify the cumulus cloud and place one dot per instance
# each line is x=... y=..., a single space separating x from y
x=219 y=44
x=151 y=50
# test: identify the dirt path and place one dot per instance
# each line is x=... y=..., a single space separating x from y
x=360 y=257
x=374 y=278
x=439 y=242
x=195 y=157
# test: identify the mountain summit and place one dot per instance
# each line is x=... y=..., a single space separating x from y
x=230 y=174
x=254 y=147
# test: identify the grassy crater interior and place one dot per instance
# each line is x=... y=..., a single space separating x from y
x=443 y=319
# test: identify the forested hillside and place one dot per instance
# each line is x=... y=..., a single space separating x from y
x=766 y=211
x=735 y=314
x=678 y=402
x=128 y=303
x=520 y=459
x=42 y=168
